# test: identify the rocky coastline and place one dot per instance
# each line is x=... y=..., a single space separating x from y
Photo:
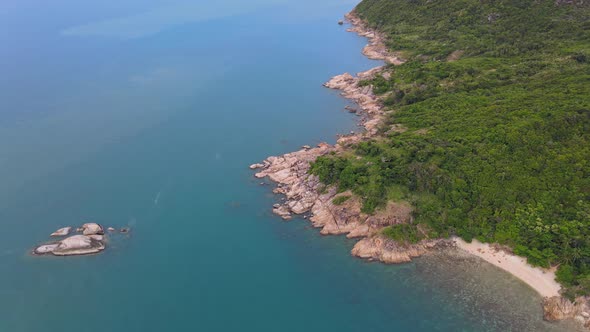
x=305 y=196
x=376 y=49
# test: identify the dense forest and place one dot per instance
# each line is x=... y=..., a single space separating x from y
x=492 y=110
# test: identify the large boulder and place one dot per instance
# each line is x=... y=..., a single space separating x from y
x=62 y=231
x=78 y=245
x=92 y=229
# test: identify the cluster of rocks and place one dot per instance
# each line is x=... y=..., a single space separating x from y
x=91 y=240
x=385 y=250
x=558 y=308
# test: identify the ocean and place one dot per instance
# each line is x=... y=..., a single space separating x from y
x=146 y=114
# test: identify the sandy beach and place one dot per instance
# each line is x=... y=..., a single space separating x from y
x=541 y=280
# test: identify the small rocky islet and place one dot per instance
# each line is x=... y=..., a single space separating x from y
x=92 y=240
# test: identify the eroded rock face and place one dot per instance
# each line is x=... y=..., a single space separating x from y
x=62 y=231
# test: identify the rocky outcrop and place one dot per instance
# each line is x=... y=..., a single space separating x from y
x=388 y=251
x=62 y=231
x=92 y=240
x=290 y=171
x=305 y=195
x=559 y=308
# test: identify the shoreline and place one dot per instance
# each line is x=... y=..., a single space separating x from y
x=304 y=195
x=541 y=280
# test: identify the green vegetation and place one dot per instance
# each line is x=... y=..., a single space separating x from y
x=340 y=199
x=495 y=100
x=404 y=233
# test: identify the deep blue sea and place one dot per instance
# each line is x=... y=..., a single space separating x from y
x=146 y=114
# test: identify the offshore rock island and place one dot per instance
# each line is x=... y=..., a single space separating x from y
x=92 y=240
x=336 y=211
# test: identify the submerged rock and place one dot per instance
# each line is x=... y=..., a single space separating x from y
x=62 y=231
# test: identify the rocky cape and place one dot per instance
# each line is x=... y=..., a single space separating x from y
x=304 y=195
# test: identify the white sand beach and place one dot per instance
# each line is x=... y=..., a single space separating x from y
x=541 y=280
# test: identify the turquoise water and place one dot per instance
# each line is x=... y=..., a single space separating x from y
x=146 y=114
